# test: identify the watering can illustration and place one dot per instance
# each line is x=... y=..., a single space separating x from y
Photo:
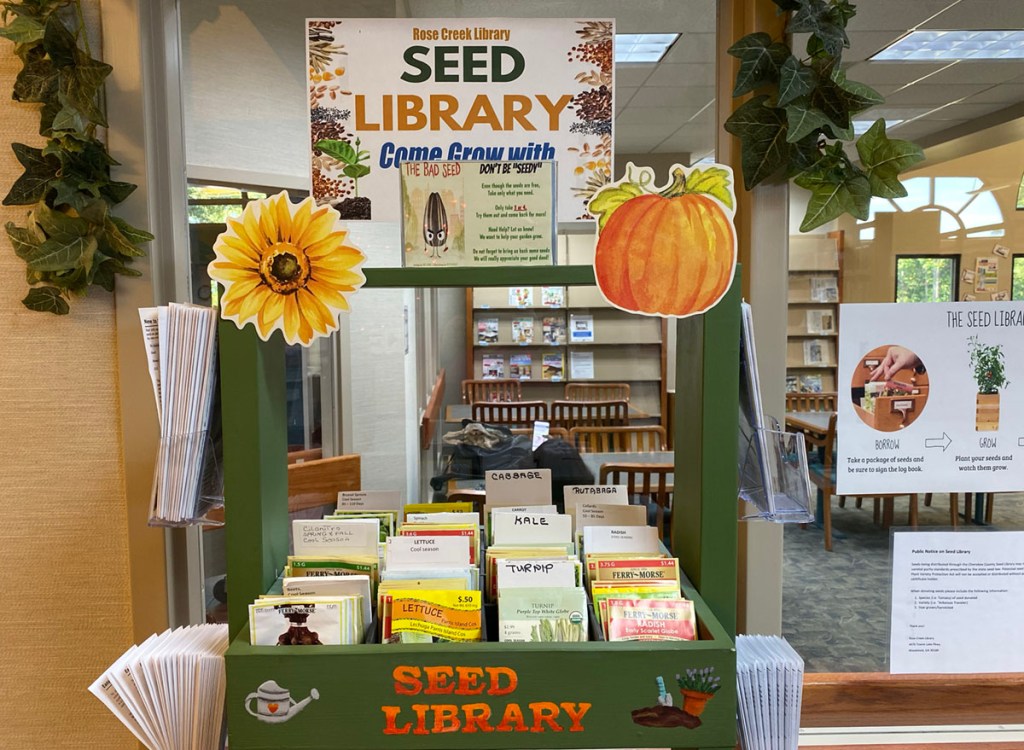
x=274 y=703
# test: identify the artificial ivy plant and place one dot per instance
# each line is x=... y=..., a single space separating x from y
x=70 y=239
x=801 y=117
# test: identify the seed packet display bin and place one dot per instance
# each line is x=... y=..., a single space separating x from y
x=486 y=695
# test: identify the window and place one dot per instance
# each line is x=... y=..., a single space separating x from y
x=1017 y=285
x=967 y=209
x=926 y=278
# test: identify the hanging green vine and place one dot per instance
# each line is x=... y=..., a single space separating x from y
x=70 y=240
x=801 y=116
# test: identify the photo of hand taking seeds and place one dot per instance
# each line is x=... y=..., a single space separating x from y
x=890 y=388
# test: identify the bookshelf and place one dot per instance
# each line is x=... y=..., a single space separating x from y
x=812 y=331
x=355 y=688
x=626 y=348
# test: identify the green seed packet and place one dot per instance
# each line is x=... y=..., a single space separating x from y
x=542 y=615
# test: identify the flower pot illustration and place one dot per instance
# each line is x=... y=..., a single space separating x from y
x=694 y=702
x=987 y=412
x=274 y=704
x=989 y=366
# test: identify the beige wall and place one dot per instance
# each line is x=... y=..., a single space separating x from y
x=869 y=265
x=63 y=534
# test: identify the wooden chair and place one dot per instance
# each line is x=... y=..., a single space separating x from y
x=314 y=484
x=825 y=402
x=510 y=413
x=569 y=414
x=822 y=471
x=502 y=389
x=645 y=439
x=299 y=456
x=649 y=484
x=597 y=391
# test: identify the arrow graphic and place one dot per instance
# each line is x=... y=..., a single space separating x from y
x=942 y=442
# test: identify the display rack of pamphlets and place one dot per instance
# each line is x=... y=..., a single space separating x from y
x=536 y=695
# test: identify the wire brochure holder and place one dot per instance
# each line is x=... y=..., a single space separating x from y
x=772 y=464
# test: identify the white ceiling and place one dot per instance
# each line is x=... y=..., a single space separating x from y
x=667 y=107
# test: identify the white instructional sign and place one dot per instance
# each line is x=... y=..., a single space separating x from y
x=386 y=91
x=957 y=602
x=930 y=398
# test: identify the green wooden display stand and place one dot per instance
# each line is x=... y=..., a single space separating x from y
x=601 y=684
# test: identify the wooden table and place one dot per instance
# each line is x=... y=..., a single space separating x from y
x=814 y=422
x=594 y=460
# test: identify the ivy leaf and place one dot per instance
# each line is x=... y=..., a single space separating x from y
x=95 y=211
x=795 y=80
x=58 y=42
x=31 y=186
x=36 y=82
x=817 y=17
x=104 y=273
x=54 y=255
x=133 y=235
x=857 y=96
x=340 y=150
x=834 y=192
x=844 y=10
x=760 y=61
x=118 y=242
x=69 y=118
x=712 y=181
x=118 y=192
x=58 y=226
x=23 y=30
x=762 y=133
x=609 y=199
x=808 y=17
x=804 y=119
x=885 y=158
x=46 y=299
x=80 y=84
x=804 y=154
x=25 y=240
x=67 y=193
x=829 y=99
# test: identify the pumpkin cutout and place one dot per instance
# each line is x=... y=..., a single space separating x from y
x=669 y=252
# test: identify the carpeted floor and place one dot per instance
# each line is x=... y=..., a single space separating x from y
x=835 y=605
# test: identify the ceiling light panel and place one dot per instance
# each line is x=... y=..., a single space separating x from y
x=642 y=48
x=946 y=46
x=860 y=127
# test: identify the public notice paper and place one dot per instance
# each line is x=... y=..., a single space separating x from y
x=957 y=602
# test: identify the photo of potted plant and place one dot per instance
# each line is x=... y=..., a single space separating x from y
x=990 y=374
x=698 y=686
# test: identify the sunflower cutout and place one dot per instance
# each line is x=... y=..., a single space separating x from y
x=286 y=267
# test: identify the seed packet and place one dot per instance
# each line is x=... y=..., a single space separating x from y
x=542 y=615
x=441 y=615
x=306 y=621
x=350 y=585
x=651 y=620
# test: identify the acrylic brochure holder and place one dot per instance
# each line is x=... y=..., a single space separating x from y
x=189 y=480
x=773 y=476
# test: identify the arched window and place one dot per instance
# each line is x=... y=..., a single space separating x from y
x=968 y=209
